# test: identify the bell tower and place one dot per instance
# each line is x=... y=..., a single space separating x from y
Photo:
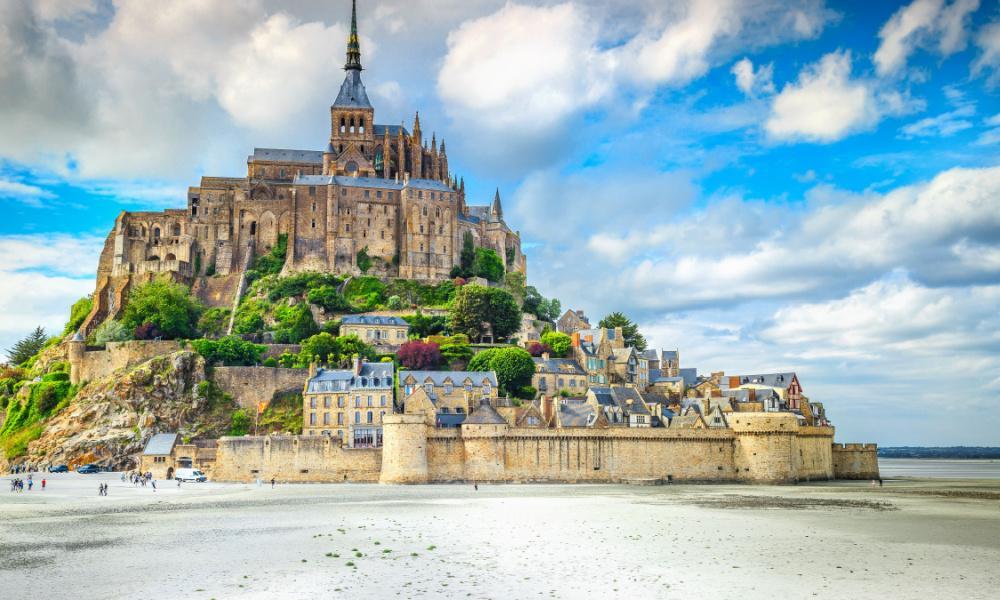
x=351 y=150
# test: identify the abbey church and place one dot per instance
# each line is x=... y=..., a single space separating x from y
x=376 y=190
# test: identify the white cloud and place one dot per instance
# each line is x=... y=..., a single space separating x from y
x=22 y=192
x=943 y=125
x=824 y=105
x=70 y=255
x=923 y=23
x=988 y=61
x=752 y=82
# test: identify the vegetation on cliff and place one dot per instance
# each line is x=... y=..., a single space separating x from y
x=476 y=306
x=161 y=308
x=513 y=367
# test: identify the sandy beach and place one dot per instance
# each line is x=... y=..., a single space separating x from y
x=911 y=539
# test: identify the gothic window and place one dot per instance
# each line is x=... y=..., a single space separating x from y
x=424 y=211
x=347 y=227
x=341 y=148
x=312 y=191
x=342 y=129
x=177 y=229
x=156 y=233
x=362 y=148
x=351 y=168
x=314 y=223
x=314 y=207
x=421 y=229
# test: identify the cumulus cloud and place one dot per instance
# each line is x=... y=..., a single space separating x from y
x=923 y=23
x=28 y=194
x=556 y=64
x=750 y=81
x=826 y=103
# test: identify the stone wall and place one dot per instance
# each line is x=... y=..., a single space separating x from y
x=98 y=364
x=763 y=448
x=855 y=461
x=250 y=386
x=294 y=458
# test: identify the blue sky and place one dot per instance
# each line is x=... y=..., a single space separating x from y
x=763 y=185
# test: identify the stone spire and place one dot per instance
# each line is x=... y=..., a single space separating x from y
x=496 y=209
x=353 y=46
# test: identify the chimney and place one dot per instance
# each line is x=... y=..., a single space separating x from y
x=576 y=339
x=357 y=365
x=312 y=369
x=547 y=403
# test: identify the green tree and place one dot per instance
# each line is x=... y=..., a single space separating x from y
x=514 y=282
x=230 y=351
x=111 y=331
x=26 y=347
x=364 y=261
x=77 y=313
x=468 y=255
x=165 y=305
x=327 y=297
x=513 y=367
x=488 y=265
x=630 y=331
x=241 y=422
x=322 y=346
x=296 y=324
x=475 y=305
x=213 y=322
x=456 y=354
x=559 y=342
x=422 y=325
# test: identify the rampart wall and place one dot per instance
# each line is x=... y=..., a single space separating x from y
x=768 y=449
x=855 y=461
x=294 y=458
x=98 y=364
x=250 y=386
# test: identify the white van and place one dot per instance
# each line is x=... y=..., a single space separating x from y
x=190 y=475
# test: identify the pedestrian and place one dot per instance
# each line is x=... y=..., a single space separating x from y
x=152 y=482
x=475 y=485
x=272 y=483
x=100 y=489
x=43 y=484
x=880 y=482
x=30 y=483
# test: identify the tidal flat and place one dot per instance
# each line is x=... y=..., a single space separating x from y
x=911 y=539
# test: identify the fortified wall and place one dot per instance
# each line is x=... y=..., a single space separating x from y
x=855 y=461
x=250 y=386
x=759 y=448
x=91 y=365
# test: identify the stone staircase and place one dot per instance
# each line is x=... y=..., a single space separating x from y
x=241 y=288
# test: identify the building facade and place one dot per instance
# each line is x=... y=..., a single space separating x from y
x=378 y=194
x=349 y=404
x=376 y=330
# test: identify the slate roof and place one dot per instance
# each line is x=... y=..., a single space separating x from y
x=161 y=444
x=371 y=182
x=352 y=92
x=690 y=376
x=562 y=366
x=379 y=130
x=604 y=396
x=650 y=354
x=373 y=320
x=777 y=380
x=450 y=419
x=623 y=394
x=372 y=376
x=576 y=414
x=457 y=377
x=485 y=414
x=686 y=421
x=286 y=155
x=669 y=355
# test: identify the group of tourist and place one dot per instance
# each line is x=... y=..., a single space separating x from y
x=18 y=469
x=138 y=479
x=17 y=484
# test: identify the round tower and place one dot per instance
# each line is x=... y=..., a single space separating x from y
x=75 y=351
x=762 y=450
x=404 y=449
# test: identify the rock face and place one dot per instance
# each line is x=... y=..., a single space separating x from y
x=110 y=421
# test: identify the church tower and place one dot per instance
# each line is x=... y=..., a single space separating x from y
x=351 y=150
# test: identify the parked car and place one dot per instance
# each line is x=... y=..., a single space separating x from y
x=190 y=475
x=58 y=469
x=91 y=468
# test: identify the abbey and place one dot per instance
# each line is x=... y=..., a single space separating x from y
x=376 y=190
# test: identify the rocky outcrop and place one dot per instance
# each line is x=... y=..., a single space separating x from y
x=110 y=421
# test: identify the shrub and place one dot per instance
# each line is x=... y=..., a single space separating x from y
x=537 y=349
x=299 y=284
x=77 y=313
x=328 y=298
x=250 y=316
x=270 y=361
x=241 y=422
x=230 y=351
x=488 y=265
x=394 y=303
x=214 y=321
x=456 y=354
x=559 y=343
x=321 y=345
x=165 y=305
x=111 y=331
x=423 y=325
x=365 y=293
x=296 y=323
x=364 y=261
x=419 y=356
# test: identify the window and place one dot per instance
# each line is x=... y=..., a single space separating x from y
x=447 y=388
x=312 y=403
x=347 y=227
x=378 y=195
x=340 y=402
x=357 y=401
x=326 y=402
x=357 y=416
x=312 y=418
x=326 y=418
x=368 y=194
x=369 y=401
x=314 y=223
x=340 y=418
x=381 y=400
x=429 y=388
x=371 y=417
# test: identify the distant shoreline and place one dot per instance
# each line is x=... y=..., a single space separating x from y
x=954 y=453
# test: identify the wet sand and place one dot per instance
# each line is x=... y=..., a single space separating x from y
x=911 y=539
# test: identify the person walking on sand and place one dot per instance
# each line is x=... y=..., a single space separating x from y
x=272 y=483
x=30 y=483
x=152 y=482
x=43 y=484
x=880 y=482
